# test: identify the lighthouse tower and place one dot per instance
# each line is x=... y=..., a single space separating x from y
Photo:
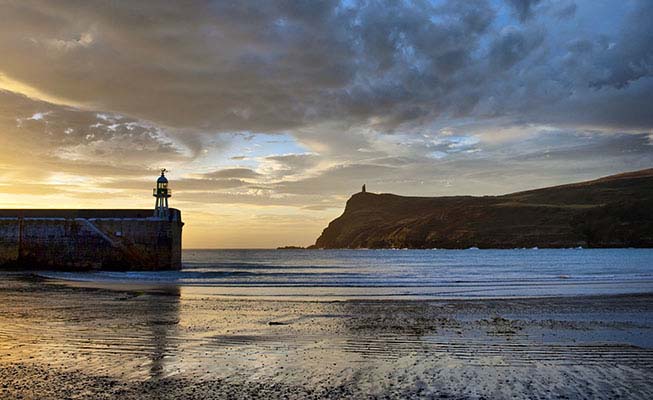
x=162 y=193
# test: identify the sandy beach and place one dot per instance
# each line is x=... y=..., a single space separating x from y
x=61 y=341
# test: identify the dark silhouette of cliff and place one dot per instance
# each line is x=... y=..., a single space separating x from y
x=615 y=211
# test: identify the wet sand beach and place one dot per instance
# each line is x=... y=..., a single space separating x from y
x=60 y=341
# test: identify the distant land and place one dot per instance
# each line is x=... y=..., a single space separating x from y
x=614 y=211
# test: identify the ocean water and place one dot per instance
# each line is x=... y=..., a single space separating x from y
x=391 y=274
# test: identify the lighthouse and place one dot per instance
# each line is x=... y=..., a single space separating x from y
x=162 y=193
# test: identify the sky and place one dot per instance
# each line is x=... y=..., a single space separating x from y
x=270 y=115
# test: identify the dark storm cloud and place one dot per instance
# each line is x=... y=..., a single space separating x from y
x=513 y=46
x=564 y=11
x=523 y=8
x=244 y=65
x=631 y=58
x=270 y=66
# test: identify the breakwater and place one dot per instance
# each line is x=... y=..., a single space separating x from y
x=90 y=239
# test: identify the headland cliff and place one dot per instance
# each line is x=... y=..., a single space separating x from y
x=614 y=211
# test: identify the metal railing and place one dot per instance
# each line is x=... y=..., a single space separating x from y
x=162 y=192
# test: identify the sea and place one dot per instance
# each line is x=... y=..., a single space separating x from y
x=395 y=274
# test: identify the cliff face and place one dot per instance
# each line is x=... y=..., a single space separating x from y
x=615 y=211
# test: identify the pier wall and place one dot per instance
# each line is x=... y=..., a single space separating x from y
x=90 y=240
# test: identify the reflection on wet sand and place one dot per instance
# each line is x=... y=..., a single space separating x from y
x=162 y=318
x=113 y=333
x=58 y=341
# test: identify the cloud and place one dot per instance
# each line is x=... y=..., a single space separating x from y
x=285 y=66
x=41 y=142
x=565 y=10
x=336 y=180
x=278 y=66
x=181 y=184
x=280 y=166
x=630 y=57
x=523 y=8
x=511 y=47
x=238 y=173
x=297 y=104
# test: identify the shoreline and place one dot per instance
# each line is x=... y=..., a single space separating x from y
x=204 y=291
x=62 y=341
